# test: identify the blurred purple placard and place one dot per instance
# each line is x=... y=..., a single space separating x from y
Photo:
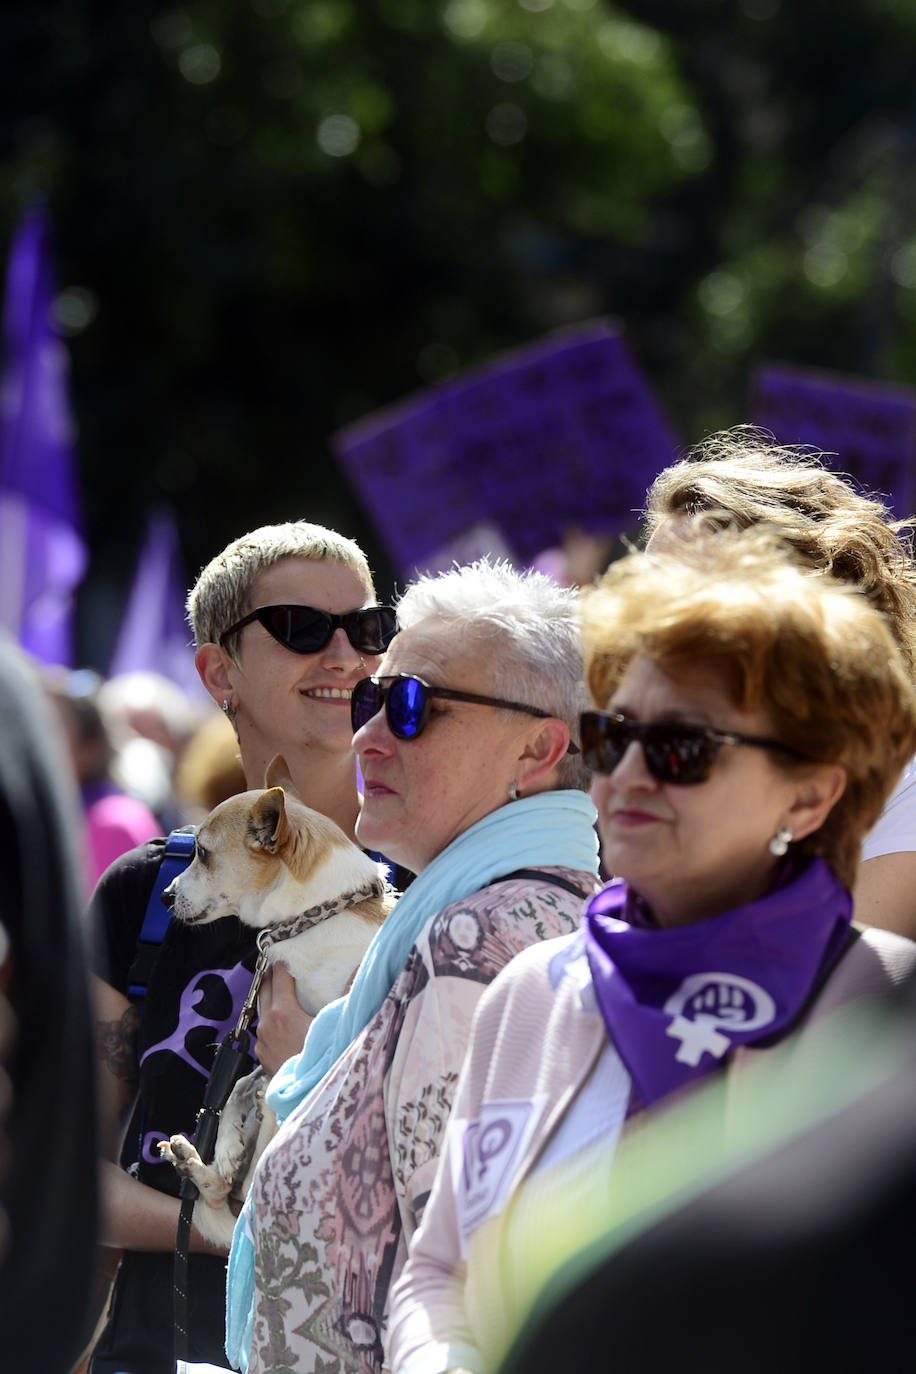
x=870 y=428
x=562 y=432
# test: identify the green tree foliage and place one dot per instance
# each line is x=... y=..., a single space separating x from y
x=274 y=216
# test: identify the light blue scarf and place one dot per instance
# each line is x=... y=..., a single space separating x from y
x=551 y=829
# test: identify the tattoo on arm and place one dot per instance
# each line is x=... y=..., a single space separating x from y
x=116 y=1046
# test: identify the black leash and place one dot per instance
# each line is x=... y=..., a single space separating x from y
x=232 y=1058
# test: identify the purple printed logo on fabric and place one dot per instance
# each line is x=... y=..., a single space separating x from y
x=491 y=1148
x=237 y=982
x=227 y=988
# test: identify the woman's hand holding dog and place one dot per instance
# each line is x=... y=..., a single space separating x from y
x=282 y=1024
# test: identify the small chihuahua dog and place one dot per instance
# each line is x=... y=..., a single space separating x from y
x=267 y=858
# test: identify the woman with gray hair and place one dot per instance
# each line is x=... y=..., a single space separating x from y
x=472 y=779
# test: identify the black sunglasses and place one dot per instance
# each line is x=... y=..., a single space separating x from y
x=684 y=754
x=305 y=630
x=407 y=699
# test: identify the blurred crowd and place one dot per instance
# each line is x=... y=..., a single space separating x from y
x=146 y=757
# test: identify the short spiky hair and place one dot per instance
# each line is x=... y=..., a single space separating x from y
x=222 y=592
x=742 y=477
x=529 y=626
x=810 y=652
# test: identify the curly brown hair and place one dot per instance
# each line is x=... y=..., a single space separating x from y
x=808 y=651
x=742 y=477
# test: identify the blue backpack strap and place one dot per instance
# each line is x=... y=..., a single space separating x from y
x=179 y=850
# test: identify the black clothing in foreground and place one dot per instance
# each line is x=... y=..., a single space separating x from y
x=48 y=1186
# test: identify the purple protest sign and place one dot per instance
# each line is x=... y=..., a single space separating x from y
x=42 y=551
x=871 y=428
x=563 y=432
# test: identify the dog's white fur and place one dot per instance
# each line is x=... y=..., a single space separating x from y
x=264 y=857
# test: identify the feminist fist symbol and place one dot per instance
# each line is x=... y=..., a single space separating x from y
x=715 y=1000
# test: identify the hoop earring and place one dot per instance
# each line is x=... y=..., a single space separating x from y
x=513 y=791
x=225 y=706
x=779 y=844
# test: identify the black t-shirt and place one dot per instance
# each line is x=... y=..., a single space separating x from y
x=196 y=989
x=198 y=983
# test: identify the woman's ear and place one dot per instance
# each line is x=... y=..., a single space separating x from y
x=818 y=791
x=546 y=745
x=214 y=668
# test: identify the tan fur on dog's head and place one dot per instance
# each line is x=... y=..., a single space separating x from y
x=269 y=830
x=278 y=775
x=265 y=856
x=268 y=827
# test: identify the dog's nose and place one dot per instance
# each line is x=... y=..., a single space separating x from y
x=168 y=894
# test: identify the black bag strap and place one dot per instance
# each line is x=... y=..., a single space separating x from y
x=179 y=850
x=540 y=877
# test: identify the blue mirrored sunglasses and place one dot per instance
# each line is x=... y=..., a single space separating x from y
x=407 y=702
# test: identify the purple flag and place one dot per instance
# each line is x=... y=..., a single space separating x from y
x=871 y=428
x=154 y=636
x=563 y=432
x=42 y=551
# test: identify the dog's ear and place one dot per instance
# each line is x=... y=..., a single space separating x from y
x=277 y=775
x=267 y=823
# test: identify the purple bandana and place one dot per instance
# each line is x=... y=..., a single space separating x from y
x=675 y=1001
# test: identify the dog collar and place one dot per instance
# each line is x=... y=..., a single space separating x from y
x=295 y=925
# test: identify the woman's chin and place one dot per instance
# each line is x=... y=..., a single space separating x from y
x=375 y=831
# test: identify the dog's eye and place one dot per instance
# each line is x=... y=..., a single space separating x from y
x=202 y=855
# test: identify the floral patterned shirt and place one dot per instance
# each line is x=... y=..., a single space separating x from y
x=341 y=1188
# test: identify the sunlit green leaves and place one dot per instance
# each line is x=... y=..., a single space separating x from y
x=320 y=23
x=581 y=77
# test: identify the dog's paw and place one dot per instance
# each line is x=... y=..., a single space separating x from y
x=179 y=1151
x=209 y=1182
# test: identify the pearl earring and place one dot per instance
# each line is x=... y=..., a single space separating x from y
x=362 y=663
x=779 y=844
